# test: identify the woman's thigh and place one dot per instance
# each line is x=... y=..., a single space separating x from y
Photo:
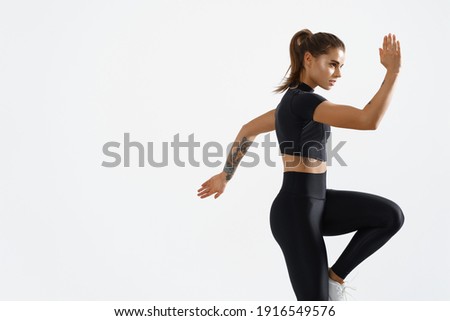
x=296 y=225
x=348 y=211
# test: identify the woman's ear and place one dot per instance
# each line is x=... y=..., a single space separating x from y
x=307 y=59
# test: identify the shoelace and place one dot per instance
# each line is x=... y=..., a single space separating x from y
x=343 y=293
x=342 y=289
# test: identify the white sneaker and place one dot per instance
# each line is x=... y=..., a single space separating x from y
x=337 y=291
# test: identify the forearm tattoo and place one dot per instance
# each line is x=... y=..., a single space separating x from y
x=234 y=157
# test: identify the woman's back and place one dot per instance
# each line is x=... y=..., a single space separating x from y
x=302 y=140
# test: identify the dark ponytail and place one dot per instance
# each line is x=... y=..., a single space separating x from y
x=304 y=40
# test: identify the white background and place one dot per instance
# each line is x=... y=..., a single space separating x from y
x=75 y=75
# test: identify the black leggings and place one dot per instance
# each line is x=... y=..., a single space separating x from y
x=305 y=210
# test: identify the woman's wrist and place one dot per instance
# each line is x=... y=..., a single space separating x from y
x=225 y=175
x=392 y=73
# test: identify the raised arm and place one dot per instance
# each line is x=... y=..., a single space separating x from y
x=370 y=116
x=245 y=137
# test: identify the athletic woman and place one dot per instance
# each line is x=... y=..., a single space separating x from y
x=305 y=210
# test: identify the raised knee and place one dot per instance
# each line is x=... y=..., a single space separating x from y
x=398 y=218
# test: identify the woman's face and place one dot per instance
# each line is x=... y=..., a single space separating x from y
x=324 y=70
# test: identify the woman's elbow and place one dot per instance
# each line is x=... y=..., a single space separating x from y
x=373 y=126
x=247 y=130
x=368 y=124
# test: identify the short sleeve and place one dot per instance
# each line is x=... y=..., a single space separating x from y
x=304 y=104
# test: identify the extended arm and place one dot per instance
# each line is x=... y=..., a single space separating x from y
x=247 y=134
x=245 y=137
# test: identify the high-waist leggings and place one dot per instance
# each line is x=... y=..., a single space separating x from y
x=305 y=210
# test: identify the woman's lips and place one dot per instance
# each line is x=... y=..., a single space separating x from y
x=332 y=82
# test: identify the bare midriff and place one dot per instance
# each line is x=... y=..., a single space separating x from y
x=293 y=163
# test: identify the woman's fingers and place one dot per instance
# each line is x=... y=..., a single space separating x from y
x=205 y=184
x=390 y=53
x=390 y=44
x=206 y=190
x=389 y=41
x=202 y=188
x=201 y=194
x=386 y=42
x=214 y=185
x=206 y=194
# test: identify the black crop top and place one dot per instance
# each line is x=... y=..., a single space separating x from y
x=297 y=133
